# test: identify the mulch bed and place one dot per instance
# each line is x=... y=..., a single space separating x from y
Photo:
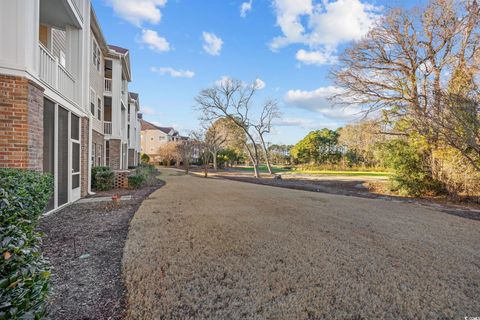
x=84 y=244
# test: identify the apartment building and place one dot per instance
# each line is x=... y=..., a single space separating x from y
x=59 y=113
x=152 y=137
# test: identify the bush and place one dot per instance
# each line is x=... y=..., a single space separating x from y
x=144 y=158
x=150 y=168
x=136 y=181
x=141 y=175
x=411 y=176
x=24 y=274
x=102 y=178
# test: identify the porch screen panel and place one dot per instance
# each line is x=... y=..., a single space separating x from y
x=49 y=143
x=62 y=156
x=75 y=127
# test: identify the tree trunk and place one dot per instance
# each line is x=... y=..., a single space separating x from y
x=267 y=156
x=215 y=165
x=187 y=166
x=255 y=170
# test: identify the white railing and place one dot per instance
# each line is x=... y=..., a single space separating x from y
x=107 y=127
x=48 y=67
x=66 y=83
x=55 y=75
x=108 y=85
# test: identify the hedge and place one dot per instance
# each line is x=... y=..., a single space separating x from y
x=138 y=179
x=102 y=178
x=24 y=273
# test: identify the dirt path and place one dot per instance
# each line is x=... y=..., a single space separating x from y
x=217 y=249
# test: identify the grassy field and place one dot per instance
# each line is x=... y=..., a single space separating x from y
x=322 y=172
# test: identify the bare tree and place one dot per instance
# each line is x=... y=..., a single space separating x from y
x=405 y=64
x=168 y=152
x=270 y=112
x=185 y=150
x=232 y=99
x=201 y=144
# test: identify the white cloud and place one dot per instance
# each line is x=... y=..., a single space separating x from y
x=295 y=122
x=318 y=101
x=154 y=41
x=315 y=57
x=323 y=26
x=211 y=43
x=151 y=111
x=259 y=84
x=173 y=72
x=245 y=7
x=138 y=11
x=223 y=81
x=288 y=14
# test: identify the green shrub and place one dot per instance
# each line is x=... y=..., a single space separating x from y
x=411 y=176
x=102 y=178
x=150 y=168
x=144 y=158
x=24 y=274
x=136 y=181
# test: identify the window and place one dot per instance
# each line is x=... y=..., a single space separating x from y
x=92 y=101
x=99 y=109
x=96 y=55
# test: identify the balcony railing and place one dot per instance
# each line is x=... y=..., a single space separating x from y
x=107 y=127
x=55 y=75
x=108 y=85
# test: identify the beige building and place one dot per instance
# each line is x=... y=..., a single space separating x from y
x=152 y=137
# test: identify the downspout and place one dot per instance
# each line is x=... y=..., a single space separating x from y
x=90 y=192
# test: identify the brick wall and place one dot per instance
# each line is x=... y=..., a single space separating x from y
x=115 y=154
x=99 y=140
x=21 y=123
x=84 y=157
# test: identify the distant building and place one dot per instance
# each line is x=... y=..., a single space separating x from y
x=152 y=137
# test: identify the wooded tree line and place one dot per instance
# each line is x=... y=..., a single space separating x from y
x=417 y=72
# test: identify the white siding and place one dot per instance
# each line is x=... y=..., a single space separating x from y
x=96 y=83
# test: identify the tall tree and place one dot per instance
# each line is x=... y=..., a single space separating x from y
x=404 y=66
x=232 y=99
x=318 y=147
x=270 y=112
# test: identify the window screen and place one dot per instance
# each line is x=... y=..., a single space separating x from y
x=75 y=126
x=49 y=142
x=62 y=156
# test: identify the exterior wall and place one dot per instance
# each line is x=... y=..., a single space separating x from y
x=115 y=150
x=58 y=43
x=96 y=78
x=151 y=140
x=99 y=141
x=19 y=28
x=131 y=158
x=116 y=99
x=21 y=123
x=84 y=157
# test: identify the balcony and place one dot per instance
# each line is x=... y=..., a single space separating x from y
x=107 y=127
x=60 y=13
x=108 y=86
x=56 y=76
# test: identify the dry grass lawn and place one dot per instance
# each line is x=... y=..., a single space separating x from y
x=207 y=248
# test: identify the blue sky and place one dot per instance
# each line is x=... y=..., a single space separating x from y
x=179 y=47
